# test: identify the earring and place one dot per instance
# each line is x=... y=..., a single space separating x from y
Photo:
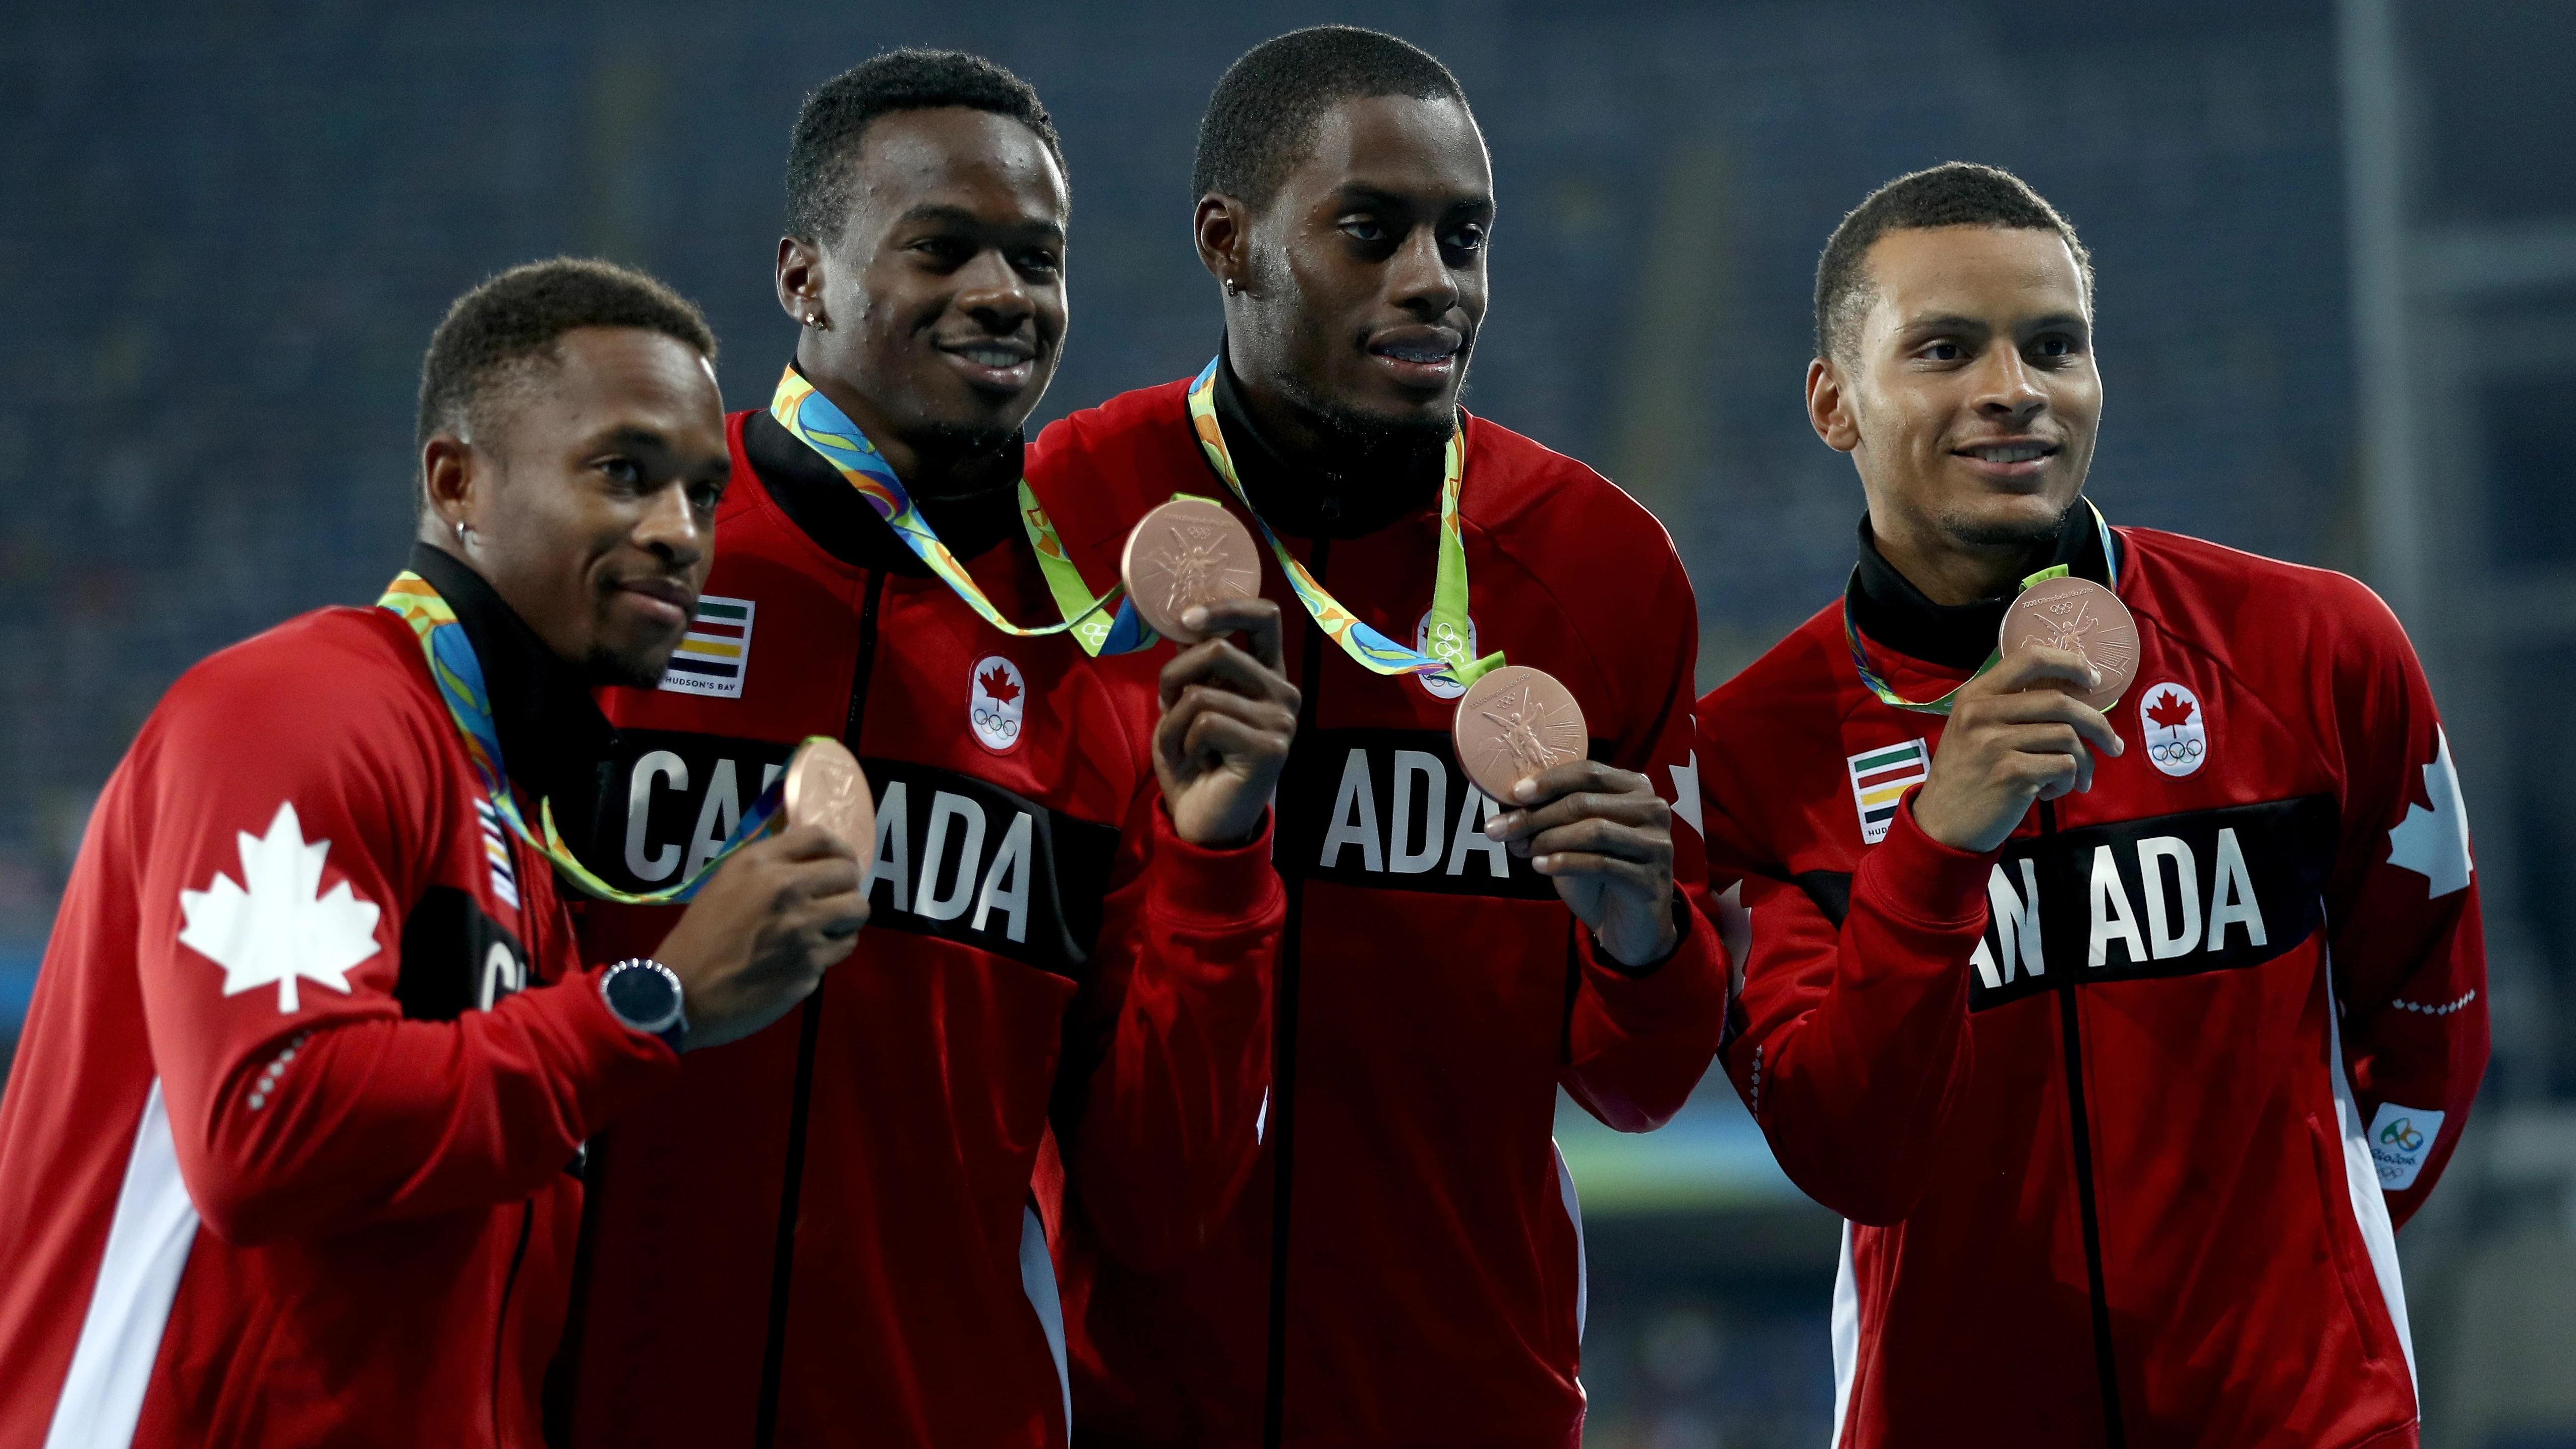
x=1233 y=288
x=464 y=534
x=818 y=323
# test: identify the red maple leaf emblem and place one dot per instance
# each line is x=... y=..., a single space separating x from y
x=2169 y=710
x=999 y=685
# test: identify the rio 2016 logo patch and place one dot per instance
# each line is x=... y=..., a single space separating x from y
x=1450 y=647
x=2177 y=732
x=996 y=698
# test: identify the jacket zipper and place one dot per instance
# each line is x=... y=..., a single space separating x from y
x=809 y=1029
x=1283 y=1054
x=501 y=1323
x=2105 y=1365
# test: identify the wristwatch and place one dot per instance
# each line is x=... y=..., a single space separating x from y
x=644 y=995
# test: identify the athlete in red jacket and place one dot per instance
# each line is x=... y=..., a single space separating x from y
x=1074 y=913
x=2124 y=1094
x=291 y=1152
x=1407 y=1267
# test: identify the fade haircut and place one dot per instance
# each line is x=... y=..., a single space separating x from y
x=1955 y=193
x=500 y=337
x=838 y=113
x=1262 y=115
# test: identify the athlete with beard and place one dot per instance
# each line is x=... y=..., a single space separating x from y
x=828 y=1236
x=2123 y=1037
x=1407 y=1266
x=292 y=1152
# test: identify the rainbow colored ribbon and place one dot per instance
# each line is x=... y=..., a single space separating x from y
x=1878 y=686
x=452 y=662
x=1448 y=633
x=814 y=420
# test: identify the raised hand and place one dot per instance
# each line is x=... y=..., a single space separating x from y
x=762 y=931
x=1229 y=714
x=1606 y=838
x=2014 y=736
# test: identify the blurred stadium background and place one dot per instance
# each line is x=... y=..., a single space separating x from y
x=2337 y=245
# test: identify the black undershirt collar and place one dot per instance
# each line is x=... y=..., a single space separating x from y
x=552 y=733
x=1891 y=611
x=825 y=508
x=1311 y=501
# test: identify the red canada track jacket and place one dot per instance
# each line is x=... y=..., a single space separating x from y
x=1406 y=1267
x=2123 y=1114
x=825 y=1236
x=286 y=1158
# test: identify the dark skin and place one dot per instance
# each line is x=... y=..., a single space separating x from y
x=1969 y=404
x=936 y=317
x=933 y=319
x=589 y=506
x=1353 y=297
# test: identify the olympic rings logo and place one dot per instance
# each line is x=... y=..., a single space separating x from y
x=2401 y=1134
x=2177 y=752
x=994 y=722
x=1446 y=642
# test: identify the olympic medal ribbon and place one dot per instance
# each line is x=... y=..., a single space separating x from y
x=1102 y=624
x=459 y=673
x=1375 y=652
x=1878 y=686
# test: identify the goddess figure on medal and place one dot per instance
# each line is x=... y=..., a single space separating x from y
x=1514 y=723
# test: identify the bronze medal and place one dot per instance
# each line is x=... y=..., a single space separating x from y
x=1514 y=723
x=2080 y=617
x=826 y=787
x=1187 y=553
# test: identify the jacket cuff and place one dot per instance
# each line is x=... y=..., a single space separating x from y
x=1912 y=876
x=613 y=1066
x=1667 y=992
x=1207 y=888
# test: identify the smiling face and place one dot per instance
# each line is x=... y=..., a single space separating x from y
x=590 y=504
x=944 y=292
x=1970 y=401
x=1363 y=279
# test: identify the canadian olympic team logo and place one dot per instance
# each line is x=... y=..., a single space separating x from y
x=996 y=698
x=1448 y=644
x=2177 y=732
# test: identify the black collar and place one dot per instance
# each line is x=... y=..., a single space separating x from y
x=825 y=508
x=1309 y=501
x=1889 y=609
x=553 y=737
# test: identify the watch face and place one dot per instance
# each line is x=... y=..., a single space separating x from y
x=642 y=997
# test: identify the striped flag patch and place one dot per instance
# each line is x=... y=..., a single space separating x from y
x=716 y=653
x=1880 y=779
x=496 y=848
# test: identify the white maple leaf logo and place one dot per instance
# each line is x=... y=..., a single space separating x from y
x=277 y=926
x=2435 y=843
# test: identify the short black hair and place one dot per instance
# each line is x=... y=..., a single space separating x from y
x=1264 y=109
x=1954 y=193
x=496 y=334
x=837 y=114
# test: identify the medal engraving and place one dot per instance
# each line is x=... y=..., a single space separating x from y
x=1514 y=723
x=2084 y=619
x=1184 y=554
x=826 y=787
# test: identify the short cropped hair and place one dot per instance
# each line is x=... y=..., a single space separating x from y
x=498 y=335
x=1262 y=116
x=1955 y=193
x=838 y=113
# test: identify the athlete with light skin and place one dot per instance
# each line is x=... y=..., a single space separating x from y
x=1969 y=407
x=2130 y=1033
